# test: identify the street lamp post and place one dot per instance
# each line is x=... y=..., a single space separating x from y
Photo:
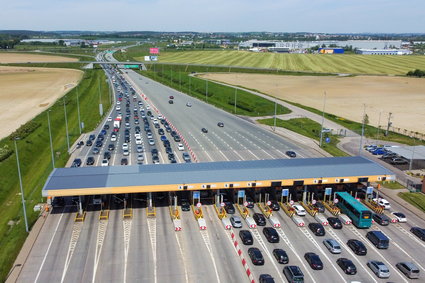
x=66 y=123
x=20 y=185
x=50 y=137
x=363 y=122
x=275 y=110
x=236 y=96
x=323 y=120
x=78 y=112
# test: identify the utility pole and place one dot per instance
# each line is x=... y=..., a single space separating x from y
x=379 y=125
x=389 y=123
x=363 y=122
x=236 y=96
x=20 y=185
x=78 y=112
x=323 y=120
x=66 y=123
x=50 y=137
x=275 y=111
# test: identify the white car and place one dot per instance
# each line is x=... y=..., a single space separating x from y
x=140 y=158
x=160 y=117
x=148 y=107
x=383 y=202
x=105 y=162
x=113 y=138
x=125 y=146
x=138 y=141
x=109 y=119
x=400 y=216
x=118 y=108
x=118 y=102
x=126 y=152
x=180 y=147
x=149 y=135
x=151 y=142
x=299 y=210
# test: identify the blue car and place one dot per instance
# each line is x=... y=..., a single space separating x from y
x=163 y=138
x=379 y=151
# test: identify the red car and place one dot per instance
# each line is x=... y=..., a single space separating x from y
x=171 y=97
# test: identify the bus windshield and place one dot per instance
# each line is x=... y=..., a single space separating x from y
x=366 y=215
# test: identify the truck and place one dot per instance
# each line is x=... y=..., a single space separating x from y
x=117 y=122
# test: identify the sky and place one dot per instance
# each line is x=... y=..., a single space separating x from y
x=342 y=16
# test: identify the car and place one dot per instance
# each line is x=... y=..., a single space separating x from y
x=171 y=97
x=319 y=207
x=291 y=153
x=317 y=229
x=379 y=268
x=204 y=130
x=250 y=202
x=265 y=278
x=155 y=159
x=188 y=104
x=281 y=256
x=185 y=205
x=347 y=266
x=186 y=156
x=293 y=273
x=418 y=232
x=96 y=150
x=409 y=269
x=314 y=261
x=138 y=141
x=256 y=256
x=399 y=161
x=399 y=216
x=274 y=205
x=381 y=219
x=171 y=156
x=125 y=152
x=170 y=101
x=177 y=138
x=92 y=137
x=90 y=160
x=168 y=150
x=140 y=158
x=125 y=146
x=139 y=148
x=109 y=119
x=151 y=142
x=97 y=199
x=379 y=151
x=259 y=219
x=271 y=235
x=299 y=210
x=236 y=221
x=230 y=209
x=113 y=138
x=389 y=155
x=106 y=127
x=105 y=162
x=161 y=132
x=220 y=124
x=357 y=246
x=149 y=135
x=124 y=161
x=180 y=147
x=111 y=147
x=334 y=222
x=99 y=143
x=246 y=237
x=76 y=163
x=382 y=202
x=332 y=245
x=107 y=155
x=89 y=143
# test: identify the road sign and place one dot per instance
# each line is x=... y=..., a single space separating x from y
x=328 y=140
x=269 y=203
x=198 y=204
x=241 y=193
x=245 y=204
x=285 y=192
x=131 y=66
x=369 y=190
x=291 y=202
x=222 y=204
x=313 y=201
x=336 y=200
x=328 y=191
x=196 y=194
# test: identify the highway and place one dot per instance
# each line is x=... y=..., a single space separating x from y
x=147 y=249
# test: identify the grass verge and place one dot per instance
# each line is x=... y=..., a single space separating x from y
x=416 y=199
x=310 y=129
x=35 y=159
x=393 y=185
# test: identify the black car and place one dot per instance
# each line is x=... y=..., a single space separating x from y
x=347 y=265
x=271 y=235
x=317 y=229
x=274 y=205
x=92 y=137
x=170 y=101
x=256 y=256
x=171 y=156
x=281 y=256
x=319 y=206
x=314 y=261
x=126 y=139
x=265 y=278
x=220 y=124
x=185 y=205
x=99 y=143
x=250 y=202
x=259 y=219
x=291 y=153
x=335 y=223
x=161 y=132
x=154 y=151
x=76 y=163
x=96 y=150
x=111 y=147
x=381 y=219
x=204 y=130
x=230 y=209
x=106 y=127
x=177 y=138
x=124 y=161
x=90 y=160
x=357 y=246
x=89 y=143
x=246 y=237
x=168 y=150
x=418 y=232
x=107 y=155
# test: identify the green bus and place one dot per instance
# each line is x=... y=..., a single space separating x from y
x=360 y=215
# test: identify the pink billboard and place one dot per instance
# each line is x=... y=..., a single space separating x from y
x=154 y=50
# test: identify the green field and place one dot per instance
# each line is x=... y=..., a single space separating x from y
x=35 y=159
x=416 y=199
x=347 y=63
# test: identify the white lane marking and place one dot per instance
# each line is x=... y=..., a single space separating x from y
x=48 y=248
x=348 y=249
x=202 y=147
x=240 y=144
x=409 y=235
x=127 y=231
x=101 y=231
x=152 y=236
x=263 y=245
x=178 y=158
x=370 y=245
x=160 y=156
x=207 y=243
x=76 y=231
x=311 y=238
x=286 y=240
x=211 y=143
x=186 y=276
x=265 y=142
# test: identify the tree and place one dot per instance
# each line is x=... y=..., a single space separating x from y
x=61 y=42
x=366 y=119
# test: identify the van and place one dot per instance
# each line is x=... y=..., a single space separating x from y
x=378 y=239
x=293 y=273
x=409 y=269
x=381 y=219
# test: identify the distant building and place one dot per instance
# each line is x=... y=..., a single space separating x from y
x=331 y=51
x=384 y=52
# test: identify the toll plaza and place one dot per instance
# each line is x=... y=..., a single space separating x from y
x=239 y=182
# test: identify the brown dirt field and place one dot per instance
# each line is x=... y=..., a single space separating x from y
x=26 y=92
x=6 y=58
x=345 y=96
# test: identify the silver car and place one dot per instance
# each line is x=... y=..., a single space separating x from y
x=332 y=245
x=236 y=221
x=379 y=268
